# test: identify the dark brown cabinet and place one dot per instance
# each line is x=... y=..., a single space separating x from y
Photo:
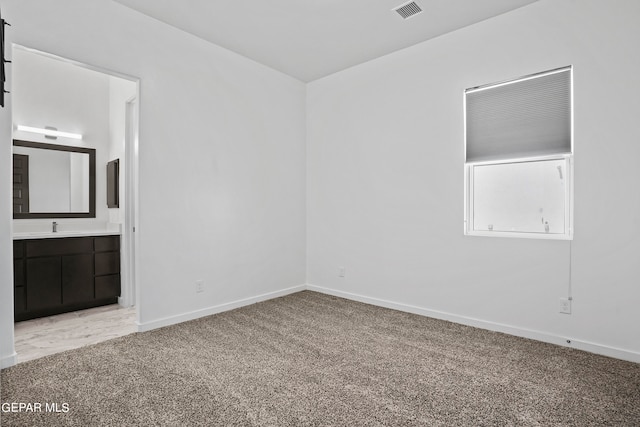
x=53 y=276
x=19 y=291
x=44 y=283
x=77 y=272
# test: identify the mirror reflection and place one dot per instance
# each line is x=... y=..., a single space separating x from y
x=53 y=181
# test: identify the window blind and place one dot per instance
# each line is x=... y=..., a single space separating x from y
x=523 y=118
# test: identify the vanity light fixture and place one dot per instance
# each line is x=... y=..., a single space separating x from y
x=49 y=132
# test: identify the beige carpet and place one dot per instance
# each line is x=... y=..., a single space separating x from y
x=314 y=360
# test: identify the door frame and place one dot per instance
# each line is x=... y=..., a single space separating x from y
x=129 y=279
x=130 y=294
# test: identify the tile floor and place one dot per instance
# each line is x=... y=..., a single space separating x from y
x=48 y=335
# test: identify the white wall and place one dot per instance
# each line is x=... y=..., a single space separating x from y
x=222 y=158
x=222 y=171
x=120 y=92
x=7 y=354
x=50 y=92
x=385 y=180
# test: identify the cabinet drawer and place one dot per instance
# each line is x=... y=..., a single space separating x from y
x=107 y=263
x=107 y=243
x=108 y=286
x=48 y=247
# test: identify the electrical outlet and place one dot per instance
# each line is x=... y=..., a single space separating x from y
x=342 y=271
x=565 y=305
x=199 y=286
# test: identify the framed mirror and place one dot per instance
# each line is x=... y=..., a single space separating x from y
x=53 y=181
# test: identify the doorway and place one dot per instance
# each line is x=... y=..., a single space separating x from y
x=101 y=106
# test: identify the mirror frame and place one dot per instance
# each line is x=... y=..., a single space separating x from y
x=92 y=181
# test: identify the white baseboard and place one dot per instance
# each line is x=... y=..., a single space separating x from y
x=167 y=321
x=483 y=324
x=8 y=361
x=604 y=350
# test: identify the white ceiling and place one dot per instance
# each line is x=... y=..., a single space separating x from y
x=309 y=39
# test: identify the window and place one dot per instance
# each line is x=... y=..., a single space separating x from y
x=519 y=157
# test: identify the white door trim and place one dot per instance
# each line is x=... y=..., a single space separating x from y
x=129 y=236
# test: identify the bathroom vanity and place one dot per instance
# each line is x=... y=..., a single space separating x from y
x=68 y=266
x=61 y=272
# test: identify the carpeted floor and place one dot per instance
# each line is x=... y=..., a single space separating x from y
x=310 y=359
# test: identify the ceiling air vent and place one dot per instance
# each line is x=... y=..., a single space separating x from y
x=408 y=10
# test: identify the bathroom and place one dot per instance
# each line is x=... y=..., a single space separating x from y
x=74 y=190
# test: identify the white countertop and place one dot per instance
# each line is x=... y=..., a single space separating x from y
x=59 y=234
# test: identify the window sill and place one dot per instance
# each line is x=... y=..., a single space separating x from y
x=520 y=235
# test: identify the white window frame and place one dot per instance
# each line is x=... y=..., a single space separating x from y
x=568 y=201
x=468 y=176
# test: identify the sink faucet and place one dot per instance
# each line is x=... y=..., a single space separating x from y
x=54 y=226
